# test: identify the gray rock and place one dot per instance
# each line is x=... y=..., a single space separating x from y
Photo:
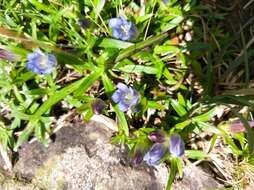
x=82 y=158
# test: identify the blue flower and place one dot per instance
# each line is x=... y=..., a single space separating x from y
x=122 y=29
x=40 y=63
x=126 y=97
x=176 y=145
x=153 y=156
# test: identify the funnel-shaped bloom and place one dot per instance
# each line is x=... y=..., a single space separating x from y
x=40 y=63
x=126 y=97
x=153 y=156
x=122 y=29
x=176 y=145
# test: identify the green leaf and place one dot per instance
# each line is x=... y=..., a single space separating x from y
x=138 y=46
x=173 y=170
x=181 y=100
x=87 y=114
x=180 y=110
x=41 y=6
x=99 y=4
x=155 y=105
x=24 y=136
x=87 y=83
x=196 y=154
x=233 y=146
x=179 y=167
x=113 y=43
x=182 y=125
x=206 y=116
x=139 y=69
x=40 y=132
x=109 y=88
x=166 y=49
x=75 y=61
x=56 y=97
x=202 y=126
x=250 y=134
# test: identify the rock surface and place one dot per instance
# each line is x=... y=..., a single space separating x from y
x=82 y=158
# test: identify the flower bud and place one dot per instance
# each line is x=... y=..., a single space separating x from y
x=137 y=159
x=98 y=106
x=157 y=136
x=156 y=152
x=238 y=126
x=83 y=22
x=176 y=145
x=7 y=55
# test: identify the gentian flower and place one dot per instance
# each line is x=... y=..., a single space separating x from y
x=126 y=97
x=176 y=145
x=122 y=29
x=40 y=63
x=153 y=156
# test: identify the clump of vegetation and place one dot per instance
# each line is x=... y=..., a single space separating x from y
x=174 y=76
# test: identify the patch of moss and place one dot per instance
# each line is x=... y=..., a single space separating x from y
x=50 y=175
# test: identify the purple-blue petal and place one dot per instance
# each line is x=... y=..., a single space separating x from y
x=115 y=22
x=153 y=156
x=135 y=95
x=117 y=96
x=126 y=97
x=34 y=62
x=176 y=145
x=123 y=106
x=122 y=29
x=52 y=60
x=116 y=33
x=122 y=87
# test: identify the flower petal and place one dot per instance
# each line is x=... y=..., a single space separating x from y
x=135 y=95
x=116 y=33
x=122 y=106
x=122 y=87
x=117 y=96
x=156 y=152
x=176 y=145
x=52 y=60
x=115 y=22
x=40 y=63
